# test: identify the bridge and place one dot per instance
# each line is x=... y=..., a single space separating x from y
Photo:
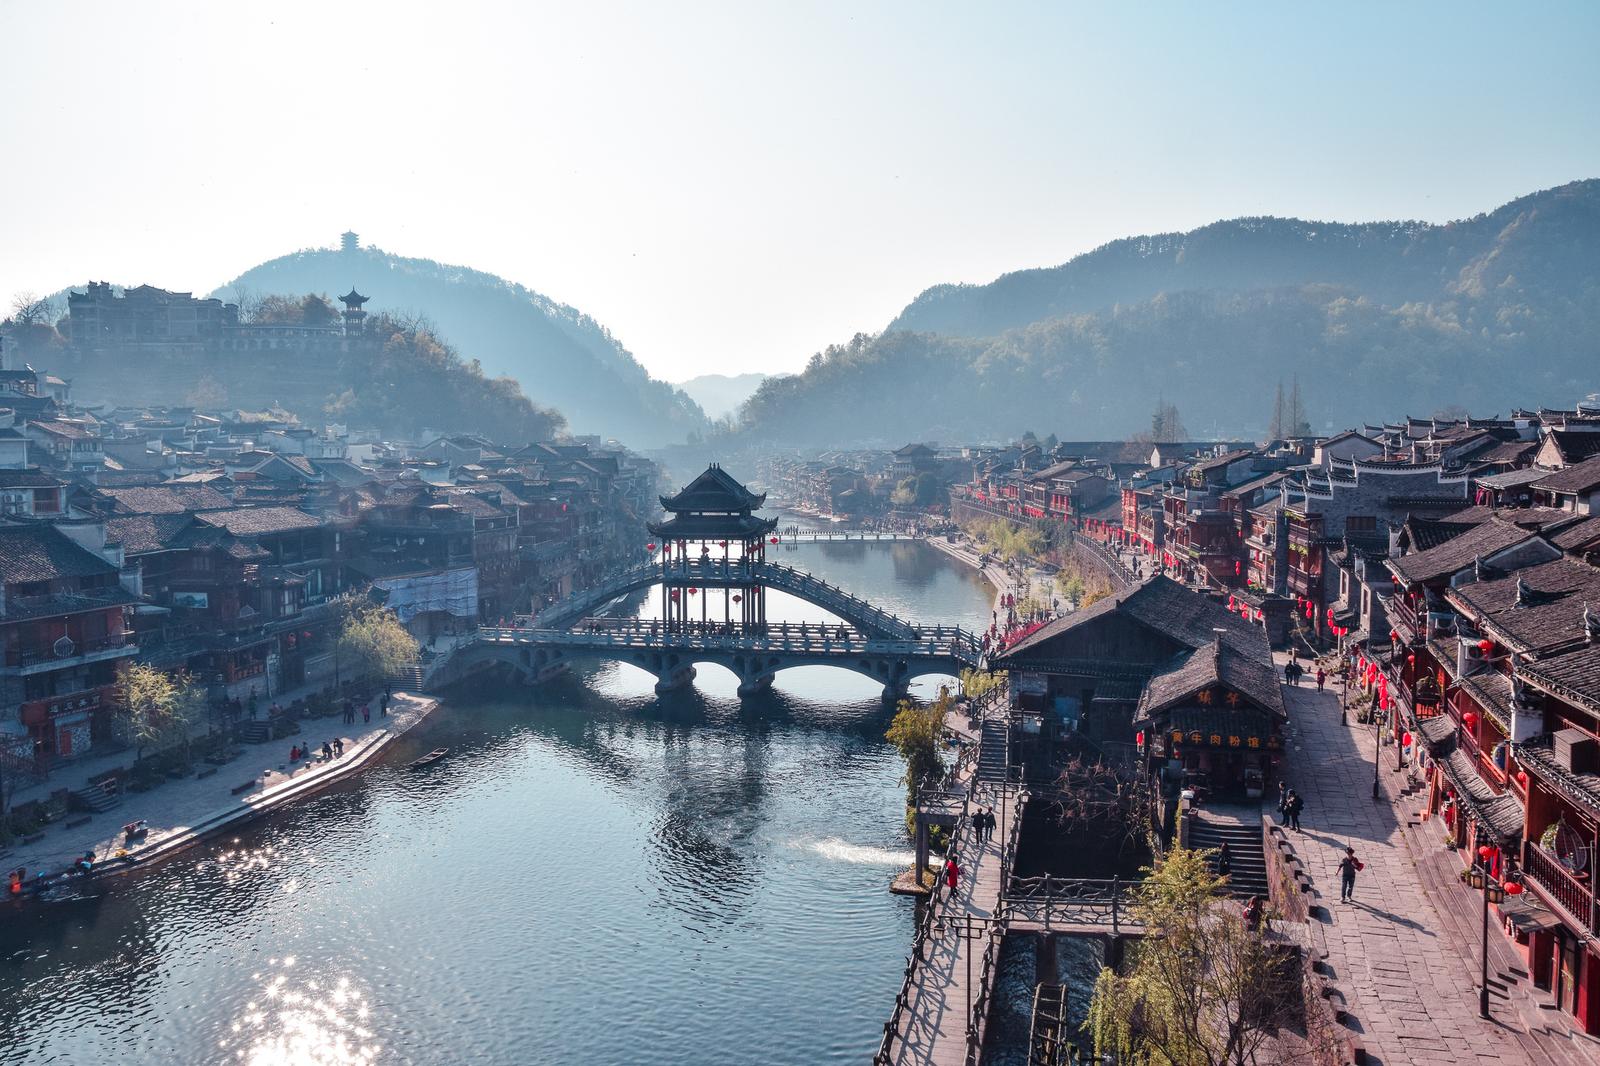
x=538 y=653
x=827 y=536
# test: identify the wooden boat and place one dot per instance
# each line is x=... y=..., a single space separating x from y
x=429 y=759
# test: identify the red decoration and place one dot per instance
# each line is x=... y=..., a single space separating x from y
x=1512 y=888
x=1484 y=852
x=1486 y=646
x=737 y=598
x=1470 y=720
x=774 y=540
x=1412 y=658
x=722 y=544
x=1405 y=740
x=1522 y=778
x=650 y=547
x=694 y=592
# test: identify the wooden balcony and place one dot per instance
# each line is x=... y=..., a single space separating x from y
x=1572 y=897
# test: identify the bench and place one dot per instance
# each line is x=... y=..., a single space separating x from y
x=207 y=772
x=74 y=823
x=246 y=787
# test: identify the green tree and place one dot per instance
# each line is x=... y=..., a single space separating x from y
x=372 y=642
x=917 y=733
x=157 y=709
x=1203 y=989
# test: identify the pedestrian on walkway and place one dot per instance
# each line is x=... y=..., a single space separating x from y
x=327 y=751
x=952 y=873
x=977 y=825
x=1224 y=860
x=1322 y=675
x=1295 y=806
x=383 y=705
x=1253 y=912
x=338 y=746
x=1347 y=875
x=366 y=712
x=252 y=703
x=1283 y=803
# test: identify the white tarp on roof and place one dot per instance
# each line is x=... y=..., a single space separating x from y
x=452 y=591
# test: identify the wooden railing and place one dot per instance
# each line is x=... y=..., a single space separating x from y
x=1552 y=881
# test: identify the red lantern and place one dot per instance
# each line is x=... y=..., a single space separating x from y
x=1522 y=778
x=675 y=594
x=722 y=544
x=1405 y=740
x=774 y=540
x=694 y=592
x=1231 y=605
x=666 y=549
x=650 y=547
x=1484 y=852
x=1470 y=720
x=1411 y=658
x=737 y=598
x=1486 y=646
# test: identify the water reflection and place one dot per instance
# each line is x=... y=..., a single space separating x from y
x=593 y=875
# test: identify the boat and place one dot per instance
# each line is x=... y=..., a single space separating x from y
x=429 y=759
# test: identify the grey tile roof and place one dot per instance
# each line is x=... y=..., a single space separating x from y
x=1203 y=668
x=30 y=553
x=1536 y=607
x=258 y=521
x=1459 y=552
x=147 y=533
x=1584 y=477
x=166 y=499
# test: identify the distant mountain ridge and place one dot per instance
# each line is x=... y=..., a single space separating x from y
x=562 y=357
x=1376 y=319
x=721 y=394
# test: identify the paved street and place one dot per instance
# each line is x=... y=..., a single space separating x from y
x=1405 y=953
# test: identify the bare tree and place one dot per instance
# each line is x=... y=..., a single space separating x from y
x=30 y=309
x=1093 y=797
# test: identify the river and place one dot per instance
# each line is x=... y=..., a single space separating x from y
x=591 y=877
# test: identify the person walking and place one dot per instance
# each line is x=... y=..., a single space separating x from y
x=952 y=873
x=1283 y=803
x=977 y=825
x=383 y=705
x=1347 y=875
x=1322 y=675
x=1295 y=806
x=1224 y=860
x=366 y=712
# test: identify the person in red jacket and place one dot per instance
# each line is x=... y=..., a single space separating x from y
x=952 y=873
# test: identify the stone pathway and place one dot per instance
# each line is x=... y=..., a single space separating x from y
x=175 y=807
x=1405 y=954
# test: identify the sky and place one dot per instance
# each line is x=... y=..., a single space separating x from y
x=731 y=187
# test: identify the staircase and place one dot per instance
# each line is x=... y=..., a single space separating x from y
x=97 y=798
x=409 y=678
x=253 y=732
x=1249 y=877
x=992 y=754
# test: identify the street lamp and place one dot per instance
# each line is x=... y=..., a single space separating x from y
x=1492 y=893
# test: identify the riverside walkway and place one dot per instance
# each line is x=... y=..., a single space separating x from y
x=938 y=1017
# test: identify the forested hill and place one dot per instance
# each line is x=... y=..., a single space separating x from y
x=561 y=357
x=1376 y=320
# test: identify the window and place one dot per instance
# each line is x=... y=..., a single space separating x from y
x=1361 y=523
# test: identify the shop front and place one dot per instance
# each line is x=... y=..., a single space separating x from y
x=65 y=726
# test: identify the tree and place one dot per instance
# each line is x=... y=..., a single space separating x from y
x=905 y=493
x=372 y=642
x=1092 y=797
x=1203 y=989
x=917 y=733
x=1165 y=424
x=29 y=309
x=1278 y=429
x=154 y=708
x=1298 y=424
x=1050 y=443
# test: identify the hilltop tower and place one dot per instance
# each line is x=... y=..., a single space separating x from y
x=355 y=319
x=349 y=241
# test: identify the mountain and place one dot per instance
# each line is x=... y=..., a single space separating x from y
x=1376 y=320
x=562 y=357
x=721 y=394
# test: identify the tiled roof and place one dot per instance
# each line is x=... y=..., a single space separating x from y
x=1536 y=607
x=1500 y=812
x=1576 y=445
x=1165 y=606
x=30 y=553
x=1584 y=477
x=258 y=521
x=1459 y=552
x=1578 y=536
x=31 y=478
x=146 y=533
x=166 y=499
x=714 y=490
x=1214 y=664
x=1573 y=674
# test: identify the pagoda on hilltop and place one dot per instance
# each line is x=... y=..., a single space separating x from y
x=711 y=541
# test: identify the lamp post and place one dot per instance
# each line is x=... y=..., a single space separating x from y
x=1344 y=685
x=1492 y=893
x=1377 y=743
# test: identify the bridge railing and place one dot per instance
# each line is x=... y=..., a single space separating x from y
x=923 y=643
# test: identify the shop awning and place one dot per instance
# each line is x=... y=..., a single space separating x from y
x=1528 y=913
x=1499 y=815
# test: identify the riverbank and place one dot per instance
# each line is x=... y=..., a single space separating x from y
x=181 y=813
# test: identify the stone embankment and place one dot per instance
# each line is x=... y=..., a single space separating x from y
x=182 y=813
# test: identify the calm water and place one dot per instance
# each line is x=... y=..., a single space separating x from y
x=593 y=877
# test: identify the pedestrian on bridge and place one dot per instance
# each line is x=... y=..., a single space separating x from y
x=952 y=873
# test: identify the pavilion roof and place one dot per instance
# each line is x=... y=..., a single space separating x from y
x=715 y=491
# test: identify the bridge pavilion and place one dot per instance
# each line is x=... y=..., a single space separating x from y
x=711 y=532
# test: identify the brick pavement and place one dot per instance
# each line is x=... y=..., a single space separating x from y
x=1405 y=953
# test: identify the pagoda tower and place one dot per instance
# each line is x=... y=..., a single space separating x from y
x=711 y=538
x=355 y=319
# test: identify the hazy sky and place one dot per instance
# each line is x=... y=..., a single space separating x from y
x=733 y=186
